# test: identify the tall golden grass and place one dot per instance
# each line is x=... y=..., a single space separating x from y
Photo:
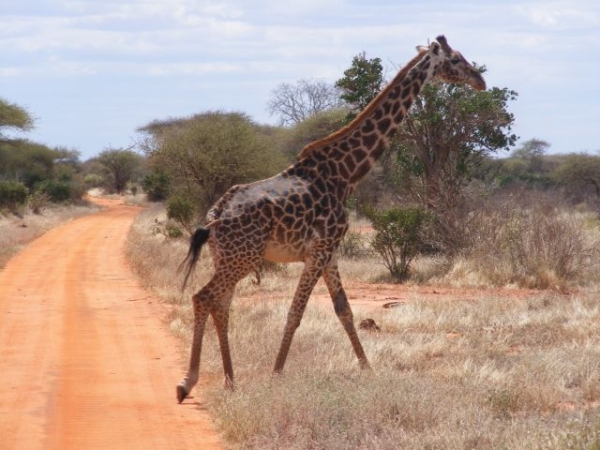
x=501 y=371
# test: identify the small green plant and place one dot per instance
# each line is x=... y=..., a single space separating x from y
x=399 y=235
x=352 y=246
x=173 y=231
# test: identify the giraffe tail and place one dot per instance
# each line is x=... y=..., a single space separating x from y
x=197 y=240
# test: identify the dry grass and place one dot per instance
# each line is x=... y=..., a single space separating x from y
x=16 y=232
x=496 y=372
x=533 y=241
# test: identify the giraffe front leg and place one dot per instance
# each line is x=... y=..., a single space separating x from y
x=331 y=276
x=201 y=303
x=308 y=279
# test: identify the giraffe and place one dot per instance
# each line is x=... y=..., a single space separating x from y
x=299 y=215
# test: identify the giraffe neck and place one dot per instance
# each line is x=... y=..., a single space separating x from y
x=353 y=150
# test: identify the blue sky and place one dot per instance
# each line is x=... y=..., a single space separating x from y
x=92 y=72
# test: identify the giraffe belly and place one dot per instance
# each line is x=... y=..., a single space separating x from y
x=283 y=253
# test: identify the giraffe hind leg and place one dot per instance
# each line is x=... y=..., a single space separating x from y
x=201 y=304
x=214 y=299
x=220 y=315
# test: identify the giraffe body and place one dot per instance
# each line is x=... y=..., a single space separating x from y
x=299 y=215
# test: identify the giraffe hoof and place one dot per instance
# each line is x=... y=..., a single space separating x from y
x=181 y=393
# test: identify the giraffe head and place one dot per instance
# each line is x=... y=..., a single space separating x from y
x=452 y=66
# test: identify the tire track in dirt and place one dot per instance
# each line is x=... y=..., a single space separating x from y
x=85 y=359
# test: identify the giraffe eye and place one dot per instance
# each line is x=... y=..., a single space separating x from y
x=455 y=60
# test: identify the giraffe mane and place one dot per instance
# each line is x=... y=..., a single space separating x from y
x=310 y=148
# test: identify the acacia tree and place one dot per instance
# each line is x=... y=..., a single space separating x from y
x=13 y=152
x=294 y=103
x=315 y=127
x=206 y=154
x=532 y=152
x=120 y=167
x=579 y=174
x=14 y=116
x=527 y=164
x=45 y=173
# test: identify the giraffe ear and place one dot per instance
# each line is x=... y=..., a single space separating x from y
x=422 y=48
x=444 y=43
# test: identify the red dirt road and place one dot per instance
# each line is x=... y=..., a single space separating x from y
x=85 y=360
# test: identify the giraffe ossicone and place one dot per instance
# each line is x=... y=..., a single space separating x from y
x=299 y=215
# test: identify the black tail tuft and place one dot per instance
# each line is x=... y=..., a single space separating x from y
x=197 y=240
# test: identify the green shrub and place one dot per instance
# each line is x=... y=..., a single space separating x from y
x=173 y=231
x=156 y=186
x=93 y=180
x=204 y=155
x=399 y=234
x=56 y=190
x=13 y=195
x=183 y=211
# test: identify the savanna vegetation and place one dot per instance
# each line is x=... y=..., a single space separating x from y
x=32 y=173
x=43 y=186
x=507 y=358
x=476 y=368
x=34 y=176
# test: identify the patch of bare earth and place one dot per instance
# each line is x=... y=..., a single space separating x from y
x=86 y=361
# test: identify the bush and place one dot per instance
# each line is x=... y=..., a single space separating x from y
x=156 y=186
x=206 y=154
x=13 y=195
x=532 y=243
x=173 y=231
x=93 y=180
x=57 y=191
x=541 y=244
x=399 y=234
x=183 y=211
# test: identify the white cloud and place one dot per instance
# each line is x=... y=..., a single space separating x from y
x=536 y=47
x=277 y=9
x=10 y=71
x=561 y=15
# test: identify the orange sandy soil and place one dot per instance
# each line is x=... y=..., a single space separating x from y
x=86 y=361
x=367 y=297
